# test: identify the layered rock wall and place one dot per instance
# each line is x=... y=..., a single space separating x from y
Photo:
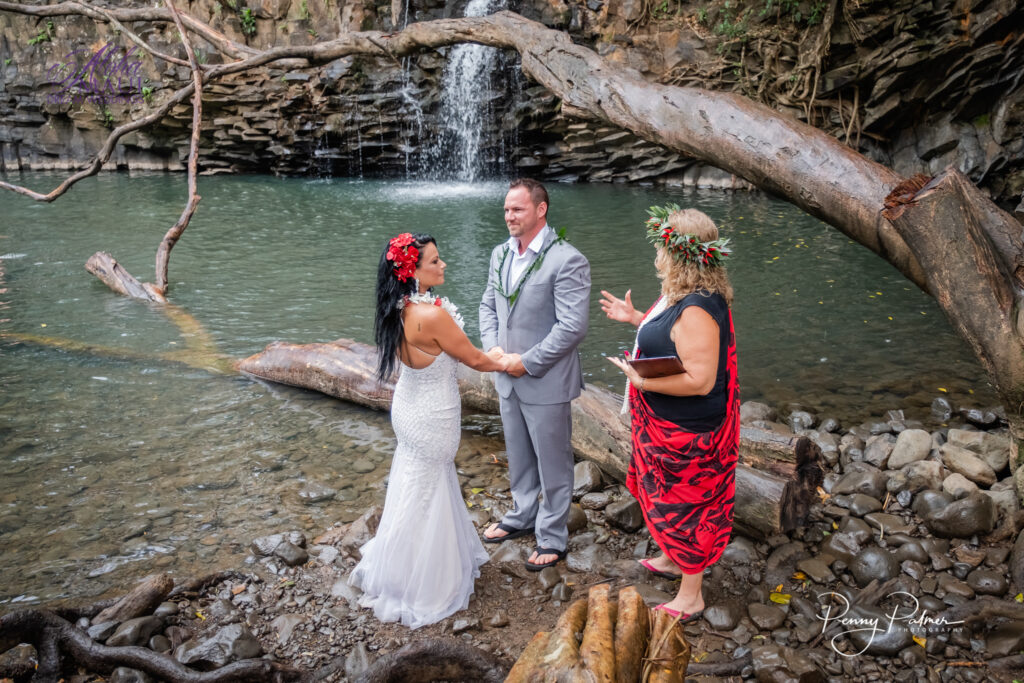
x=916 y=87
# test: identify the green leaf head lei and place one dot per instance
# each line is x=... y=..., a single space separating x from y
x=685 y=248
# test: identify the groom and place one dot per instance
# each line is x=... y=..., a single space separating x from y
x=535 y=309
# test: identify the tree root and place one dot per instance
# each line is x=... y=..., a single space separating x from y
x=193 y=586
x=983 y=610
x=732 y=668
x=436 y=659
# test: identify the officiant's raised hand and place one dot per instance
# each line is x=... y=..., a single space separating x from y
x=620 y=309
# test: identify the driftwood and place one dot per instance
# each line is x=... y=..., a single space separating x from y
x=142 y=599
x=775 y=481
x=436 y=659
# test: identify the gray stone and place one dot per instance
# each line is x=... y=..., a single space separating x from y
x=362 y=466
x=20 y=661
x=889 y=524
x=342 y=589
x=914 y=570
x=220 y=611
x=968 y=464
x=912 y=551
x=874 y=563
x=508 y=553
x=1006 y=639
x=498 y=620
x=993 y=448
x=842 y=546
x=586 y=478
x=878 y=448
x=285 y=624
x=291 y=554
x=816 y=569
x=830 y=425
x=1005 y=501
x=357 y=661
x=828 y=444
x=923 y=474
x=577 y=518
x=888 y=640
x=595 y=501
x=123 y=674
x=927 y=502
x=942 y=409
x=361 y=531
x=549 y=578
x=103 y=630
x=316 y=492
x=625 y=514
x=870 y=483
x=135 y=631
x=801 y=419
x=959 y=486
x=229 y=644
x=772 y=663
x=166 y=609
x=857 y=528
x=721 y=617
x=988 y=582
x=963 y=518
x=753 y=410
x=562 y=592
x=465 y=624
x=912 y=445
x=861 y=505
x=590 y=559
x=766 y=617
x=740 y=551
x=954 y=586
x=159 y=643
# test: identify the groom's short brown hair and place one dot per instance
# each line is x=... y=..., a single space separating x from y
x=537 y=192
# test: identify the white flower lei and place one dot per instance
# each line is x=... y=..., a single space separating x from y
x=447 y=305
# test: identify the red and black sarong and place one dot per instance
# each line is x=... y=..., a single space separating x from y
x=685 y=482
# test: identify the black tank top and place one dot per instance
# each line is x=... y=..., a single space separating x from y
x=692 y=413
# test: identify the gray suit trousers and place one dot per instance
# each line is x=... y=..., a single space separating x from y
x=537 y=439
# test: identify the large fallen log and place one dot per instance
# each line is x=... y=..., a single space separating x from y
x=775 y=481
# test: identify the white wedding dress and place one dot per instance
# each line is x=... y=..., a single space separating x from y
x=422 y=564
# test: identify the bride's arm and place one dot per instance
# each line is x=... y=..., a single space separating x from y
x=434 y=324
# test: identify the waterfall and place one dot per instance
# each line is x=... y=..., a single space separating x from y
x=465 y=110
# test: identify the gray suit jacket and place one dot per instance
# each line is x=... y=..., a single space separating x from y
x=545 y=325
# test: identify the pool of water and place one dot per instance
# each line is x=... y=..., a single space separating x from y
x=123 y=448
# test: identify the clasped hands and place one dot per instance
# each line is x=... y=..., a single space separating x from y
x=511 y=363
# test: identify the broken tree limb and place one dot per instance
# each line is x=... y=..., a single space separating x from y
x=632 y=625
x=597 y=651
x=142 y=599
x=436 y=659
x=770 y=501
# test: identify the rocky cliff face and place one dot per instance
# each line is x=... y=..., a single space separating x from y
x=916 y=86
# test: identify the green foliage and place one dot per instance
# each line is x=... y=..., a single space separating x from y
x=733 y=23
x=790 y=9
x=45 y=35
x=248 y=21
x=147 y=94
x=108 y=118
x=312 y=32
x=702 y=15
x=303 y=10
x=7 y=62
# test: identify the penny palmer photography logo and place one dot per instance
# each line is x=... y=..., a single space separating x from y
x=906 y=615
x=109 y=74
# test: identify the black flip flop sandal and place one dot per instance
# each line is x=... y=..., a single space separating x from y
x=510 y=533
x=530 y=566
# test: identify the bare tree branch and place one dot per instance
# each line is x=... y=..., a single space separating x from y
x=131 y=35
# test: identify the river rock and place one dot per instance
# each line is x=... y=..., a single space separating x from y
x=1005 y=501
x=857 y=528
x=549 y=578
x=889 y=524
x=801 y=419
x=911 y=445
x=316 y=492
x=285 y=624
x=135 y=631
x=1006 y=639
x=874 y=563
x=465 y=624
x=828 y=444
x=942 y=409
x=291 y=554
x=993 y=448
x=959 y=486
x=160 y=643
x=586 y=478
x=498 y=620
x=265 y=545
x=597 y=500
x=861 y=505
x=963 y=518
x=362 y=466
x=878 y=448
x=923 y=474
x=927 y=502
x=887 y=641
x=751 y=411
x=816 y=569
x=721 y=617
x=590 y=559
x=779 y=663
x=562 y=592
x=357 y=661
x=766 y=617
x=740 y=551
x=19 y=661
x=870 y=483
x=968 y=464
x=988 y=582
x=347 y=592
x=577 y=518
x=361 y=531
x=166 y=609
x=954 y=586
x=625 y=514
x=123 y=674
x=103 y=630
x=841 y=546
x=913 y=551
x=228 y=644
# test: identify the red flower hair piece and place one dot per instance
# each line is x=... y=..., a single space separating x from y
x=404 y=255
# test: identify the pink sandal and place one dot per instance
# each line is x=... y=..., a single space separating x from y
x=646 y=564
x=683 y=618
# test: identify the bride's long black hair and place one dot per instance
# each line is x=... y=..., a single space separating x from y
x=391 y=293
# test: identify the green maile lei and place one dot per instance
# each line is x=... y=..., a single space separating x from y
x=684 y=247
x=498 y=287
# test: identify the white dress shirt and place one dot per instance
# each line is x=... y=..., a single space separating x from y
x=520 y=262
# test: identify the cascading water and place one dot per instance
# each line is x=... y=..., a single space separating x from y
x=465 y=105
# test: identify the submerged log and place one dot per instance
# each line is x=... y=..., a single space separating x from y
x=775 y=481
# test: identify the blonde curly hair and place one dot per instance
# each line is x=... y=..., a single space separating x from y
x=680 y=278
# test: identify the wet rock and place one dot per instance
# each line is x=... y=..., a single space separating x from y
x=942 y=409
x=721 y=617
x=816 y=569
x=229 y=644
x=740 y=551
x=1005 y=501
x=577 y=518
x=316 y=492
x=159 y=643
x=914 y=570
x=361 y=531
x=959 y=486
x=857 y=528
x=103 y=630
x=861 y=505
x=870 y=483
x=842 y=546
x=625 y=514
x=549 y=578
x=19 y=661
x=801 y=419
x=887 y=640
x=889 y=524
x=285 y=624
x=342 y=589
x=980 y=417
x=927 y=502
x=830 y=425
x=590 y=559
x=220 y=611
x=766 y=617
x=878 y=448
x=1006 y=640
x=465 y=624
x=586 y=478
x=911 y=446
x=166 y=609
x=265 y=545
x=595 y=501
x=509 y=553
x=954 y=586
x=357 y=661
x=362 y=466
x=923 y=474
x=291 y=554
x=968 y=464
x=993 y=448
x=123 y=674
x=963 y=518
x=873 y=563
x=751 y=411
x=561 y=592
x=988 y=582
x=135 y=631
x=773 y=663
x=912 y=551
x=785 y=554
x=498 y=620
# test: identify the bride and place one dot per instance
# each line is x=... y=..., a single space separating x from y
x=421 y=565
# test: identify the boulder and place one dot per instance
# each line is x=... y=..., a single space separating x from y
x=226 y=645
x=911 y=445
x=963 y=518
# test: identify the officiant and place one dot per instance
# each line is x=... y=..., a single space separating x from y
x=685 y=424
